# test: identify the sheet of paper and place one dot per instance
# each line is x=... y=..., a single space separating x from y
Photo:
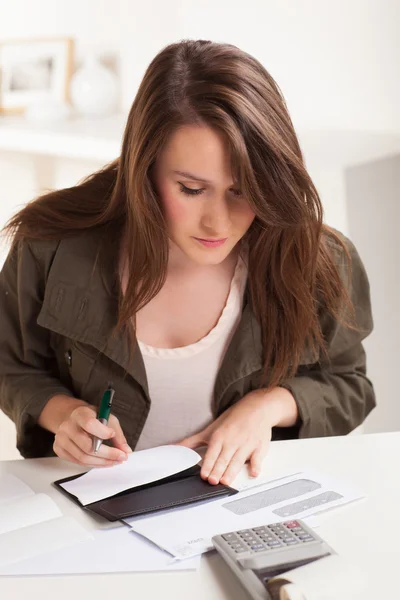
x=346 y=580
x=188 y=531
x=27 y=511
x=117 y=550
x=141 y=467
x=40 y=538
x=12 y=488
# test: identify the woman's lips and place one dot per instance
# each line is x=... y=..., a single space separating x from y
x=211 y=243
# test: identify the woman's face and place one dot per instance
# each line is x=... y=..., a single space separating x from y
x=200 y=200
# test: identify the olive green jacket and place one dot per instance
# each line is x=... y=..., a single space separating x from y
x=58 y=308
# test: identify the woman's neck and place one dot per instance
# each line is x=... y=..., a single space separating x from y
x=181 y=268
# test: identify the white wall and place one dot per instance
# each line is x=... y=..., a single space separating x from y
x=373 y=192
x=336 y=62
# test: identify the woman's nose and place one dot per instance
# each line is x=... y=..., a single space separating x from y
x=217 y=217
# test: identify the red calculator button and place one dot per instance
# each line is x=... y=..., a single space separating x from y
x=291 y=524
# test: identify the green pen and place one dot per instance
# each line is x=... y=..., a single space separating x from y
x=104 y=413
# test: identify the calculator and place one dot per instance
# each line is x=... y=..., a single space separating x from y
x=256 y=555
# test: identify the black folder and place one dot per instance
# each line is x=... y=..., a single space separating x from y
x=178 y=490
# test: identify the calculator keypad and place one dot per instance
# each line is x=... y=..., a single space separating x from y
x=268 y=537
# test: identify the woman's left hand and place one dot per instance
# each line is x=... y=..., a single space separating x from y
x=242 y=433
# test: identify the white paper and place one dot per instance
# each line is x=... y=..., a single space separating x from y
x=141 y=467
x=12 y=488
x=27 y=511
x=188 y=531
x=40 y=538
x=346 y=581
x=117 y=550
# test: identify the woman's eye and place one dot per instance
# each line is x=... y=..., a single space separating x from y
x=196 y=192
x=190 y=191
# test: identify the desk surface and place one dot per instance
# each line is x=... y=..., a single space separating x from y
x=367 y=532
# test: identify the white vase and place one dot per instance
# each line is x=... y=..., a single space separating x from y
x=94 y=89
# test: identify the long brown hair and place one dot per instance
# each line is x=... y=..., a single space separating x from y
x=292 y=273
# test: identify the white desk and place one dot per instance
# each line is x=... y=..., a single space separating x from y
x=367 y=532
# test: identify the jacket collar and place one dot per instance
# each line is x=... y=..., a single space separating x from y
x=81 y=303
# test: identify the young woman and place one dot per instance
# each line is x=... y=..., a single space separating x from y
x=194 y=272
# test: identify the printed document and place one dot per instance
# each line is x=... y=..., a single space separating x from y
x=188 y=531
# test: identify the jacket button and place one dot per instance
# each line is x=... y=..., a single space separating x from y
x=68 y=357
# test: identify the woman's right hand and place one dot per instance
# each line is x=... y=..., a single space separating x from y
x=74 y=439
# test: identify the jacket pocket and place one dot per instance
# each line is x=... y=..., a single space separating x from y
x=76 y=363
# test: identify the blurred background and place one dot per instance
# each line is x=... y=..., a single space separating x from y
x=69 y=71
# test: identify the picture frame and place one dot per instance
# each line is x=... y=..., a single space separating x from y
x=34 y=69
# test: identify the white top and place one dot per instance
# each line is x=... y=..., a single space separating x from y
x=181 y=380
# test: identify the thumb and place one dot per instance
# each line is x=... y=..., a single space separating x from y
x=119 y=440
x=194 y=441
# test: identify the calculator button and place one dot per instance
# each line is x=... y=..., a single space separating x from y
x=296 y=529
x=305 y=538
x=229 y=536
x=244 y=532
x=291 y=542
x=251 y=544
x=239 y=548
x=291 y=524
x=257 y=547
x=274 y=544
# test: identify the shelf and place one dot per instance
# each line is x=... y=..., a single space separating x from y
x=87 y=139
x=99 y=139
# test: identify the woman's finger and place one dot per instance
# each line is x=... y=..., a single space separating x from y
x=86 y=419
x=221 y=463
x=62 y=453
x=119 y=439
x=211 y=455
x=257 y=458
x=236 y=463
x=64 y=443
x=65 y=455
x=84 y=441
